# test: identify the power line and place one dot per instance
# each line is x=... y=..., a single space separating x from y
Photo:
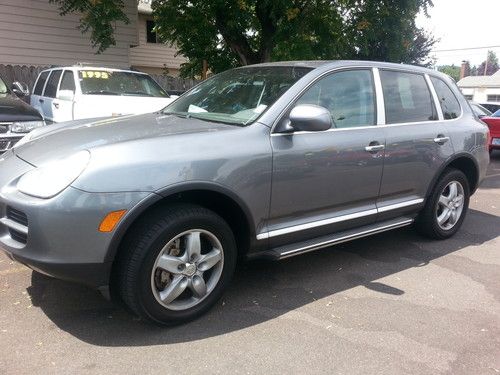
x=463 y=49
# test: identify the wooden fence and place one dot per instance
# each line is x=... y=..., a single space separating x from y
x=28 y=75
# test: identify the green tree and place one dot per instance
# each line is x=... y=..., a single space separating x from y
x=227 y=33
x=489 y=66
x=452 y=70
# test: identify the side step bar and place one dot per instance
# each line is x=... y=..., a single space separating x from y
x=333 y=239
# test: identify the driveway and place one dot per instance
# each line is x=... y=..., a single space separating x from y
x=390 y=304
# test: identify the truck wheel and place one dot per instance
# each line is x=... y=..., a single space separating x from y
x=176 y=264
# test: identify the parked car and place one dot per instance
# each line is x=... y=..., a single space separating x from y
x=158 y=207
x=77 y=92
x=16 y=117
x=479 y=110
x=493 y=122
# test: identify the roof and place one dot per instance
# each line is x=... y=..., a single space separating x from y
x=480 y=81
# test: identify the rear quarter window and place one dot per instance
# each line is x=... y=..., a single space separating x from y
x=407 y=97
x=40 y=83
x=447 y=100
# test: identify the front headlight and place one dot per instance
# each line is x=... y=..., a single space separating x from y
x=25 y=126
x=50 y=179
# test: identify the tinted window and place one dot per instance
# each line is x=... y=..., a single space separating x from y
x=448 y=101
x=51 y=88
x=348 y=95
x=68 y=81
x=40 y=83
x=407 y=97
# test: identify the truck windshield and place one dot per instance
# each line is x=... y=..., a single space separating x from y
x=109 y=82
x=237 y=96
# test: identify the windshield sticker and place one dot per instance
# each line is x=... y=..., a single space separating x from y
x=94 y=74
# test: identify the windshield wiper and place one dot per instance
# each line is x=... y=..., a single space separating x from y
x=178 y=114
x=101 y=92
x=137 y=93
x=199 y=116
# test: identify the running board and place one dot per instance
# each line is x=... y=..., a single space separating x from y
x=287 y=251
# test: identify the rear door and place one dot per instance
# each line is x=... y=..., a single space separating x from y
x=417 y=142
x=36 y=99
x=49 y=94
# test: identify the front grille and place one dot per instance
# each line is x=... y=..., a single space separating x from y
x=8 y=143
x=17 y=216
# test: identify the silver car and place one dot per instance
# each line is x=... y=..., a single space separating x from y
x=265 y=161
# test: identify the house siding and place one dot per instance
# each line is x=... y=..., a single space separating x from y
x=152 y=57
x=33 y=33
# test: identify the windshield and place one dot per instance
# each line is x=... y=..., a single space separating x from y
x=3 y=87
x=237 y=96
x=496 y=114
x=109 y=82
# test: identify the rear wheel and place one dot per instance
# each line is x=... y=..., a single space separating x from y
x=176 y=264
x=446 y=207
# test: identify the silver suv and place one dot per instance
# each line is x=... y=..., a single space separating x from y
x=266 y=161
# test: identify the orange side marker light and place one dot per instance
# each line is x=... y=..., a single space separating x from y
x=110 y=220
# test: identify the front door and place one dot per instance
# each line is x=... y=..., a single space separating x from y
x=328 y=181
x=62 y=106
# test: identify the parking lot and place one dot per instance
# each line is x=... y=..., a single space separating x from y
x=390 y=304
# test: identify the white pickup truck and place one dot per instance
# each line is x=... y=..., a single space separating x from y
x=77 y=92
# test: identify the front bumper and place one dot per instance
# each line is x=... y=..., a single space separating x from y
x=58 y=236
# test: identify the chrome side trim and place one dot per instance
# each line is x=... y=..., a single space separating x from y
x=379 y=95
x=336 y=219
x=400 y=205
x=13 y=225
x=350 y=237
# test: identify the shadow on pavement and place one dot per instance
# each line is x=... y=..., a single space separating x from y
x=261 y=290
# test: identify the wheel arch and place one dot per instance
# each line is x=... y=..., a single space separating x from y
x=465 y=163
x=212 y=196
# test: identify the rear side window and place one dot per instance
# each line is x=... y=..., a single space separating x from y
x=40 y=83
x=51 y=88
x=448 y=101
x=348 y=95
x=407 y=97
x=68 y=81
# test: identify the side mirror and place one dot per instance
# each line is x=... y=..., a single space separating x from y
x=309 y=117
x=20 y=89
x=65 y=95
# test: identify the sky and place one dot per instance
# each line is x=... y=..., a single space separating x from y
x=463 y=24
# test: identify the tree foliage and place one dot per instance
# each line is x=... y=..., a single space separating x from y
x=452 y=70
x=492 y=66
x=227 y=33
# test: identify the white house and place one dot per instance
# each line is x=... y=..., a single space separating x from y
x=481 y=89
x=32 y=33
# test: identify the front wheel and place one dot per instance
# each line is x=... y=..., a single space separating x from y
x=176 y=264
x=445 y=209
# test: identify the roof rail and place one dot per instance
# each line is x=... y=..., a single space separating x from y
x=97 y=64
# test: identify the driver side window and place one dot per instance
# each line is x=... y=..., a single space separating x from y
x=348 y=95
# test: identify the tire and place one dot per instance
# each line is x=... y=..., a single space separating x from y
x=428 y=222
x=193 y=235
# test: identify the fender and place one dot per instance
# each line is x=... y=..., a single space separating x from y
x=162 y=193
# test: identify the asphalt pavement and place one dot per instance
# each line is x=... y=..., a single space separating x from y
x=394 y=303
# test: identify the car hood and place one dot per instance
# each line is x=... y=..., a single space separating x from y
x=14 y=109
x=61 y=140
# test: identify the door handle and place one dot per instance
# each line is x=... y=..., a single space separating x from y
x=41 y=100
x=374 y=148
x=441 y=139
x=55 y=105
